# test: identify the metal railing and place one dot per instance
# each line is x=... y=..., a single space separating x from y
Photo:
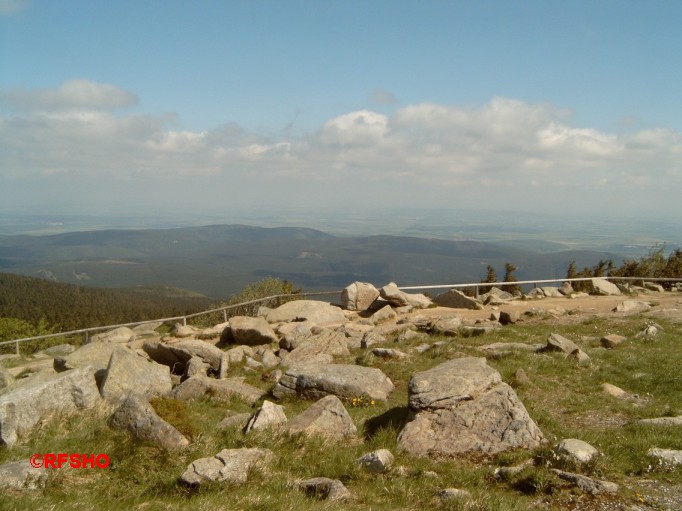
x=476 y=285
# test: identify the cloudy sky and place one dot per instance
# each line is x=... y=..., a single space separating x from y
x=180 y=107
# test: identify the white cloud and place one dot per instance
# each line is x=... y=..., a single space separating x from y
x=73 y=94
x=427 y=151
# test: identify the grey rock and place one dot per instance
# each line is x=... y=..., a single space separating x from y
x=614 y=391
x=21 y=409
x=612 y=340
x=389 y=353
x=450 y=325
x=649 y=332
x=663 y=421
x=576 y=451
x=214 y=331
x=229 y=465
x=60 y=349
x=146 y=329
x=552 y=292
x=6 y=379
x=321 y=349
x=579 y=356
x=535 y=294
x=199 y=387
x=267 y=416
x=176 y=354
x=652 y=286
x=325 y=488
x=632 y=306
x=95 y=354
x=185 y=331
x=128 y=372
x=137 y=416
x=121 y=334
x=587 y=484
x=398 y=298
x=566 y=289
x=269 y=359
x=195 y=367
x=556 y=342
x=252 y=331
x=509 y=317
x=371 y=338
x=666 y=456
x=234 y=419
x=505 y=348
x=358 y=296
x=462 y=406
x=319 y=313
x=21 y=475
x=457 y=300
x=453 y=494
x=603 y=287
x=386 y=313
x=407 y=335
x=326 y=417
x=345 y=381
x=294 y=334
x=377 y=462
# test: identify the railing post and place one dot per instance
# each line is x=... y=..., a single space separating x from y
x=87 y=337
x=476 y=291
x=17 y=348
x=184 y=321
x=224 y=315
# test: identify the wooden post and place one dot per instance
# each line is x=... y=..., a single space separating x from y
x=17 y=348
x=224 y=315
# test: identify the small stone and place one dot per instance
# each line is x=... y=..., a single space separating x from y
x=377 y=462
x=614 y=391
x=453 y=494
x=371 y=338
x=521 y=377
x=612 y=340
x=268 y=415
x=509 y=317
x=326 y=489
x=576 y=451
x=579 y=356
x=389 y=353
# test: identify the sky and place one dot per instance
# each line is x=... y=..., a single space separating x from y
x=190 y=107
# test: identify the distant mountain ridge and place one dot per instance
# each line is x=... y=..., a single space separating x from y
x=219 y=260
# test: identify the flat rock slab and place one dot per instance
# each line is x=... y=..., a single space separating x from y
x=320 y=313
x=663 y=421
x=229 y=465
x=121 y=334
x=457 y=300
x=23 y=408
x=95 y=354
x=199 y=387
x=21 y=475
x=556 y=342
x=587 y=484
x=504 y=348
x=669 y=456
x=321 y=348
x=326 y=417
x=462 y=406
x=128 y=372
x=137 y=416
x=176 y=354
x=344 y=381
x=251 y=331
x=576 y=450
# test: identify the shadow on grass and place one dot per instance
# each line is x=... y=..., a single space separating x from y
x=395 y=418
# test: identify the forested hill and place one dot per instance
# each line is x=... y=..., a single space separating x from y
x=70 y=307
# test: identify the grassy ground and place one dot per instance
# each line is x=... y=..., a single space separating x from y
x=565 y=399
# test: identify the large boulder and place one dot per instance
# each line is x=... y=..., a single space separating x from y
x=320 y=348
x=176 y=354
x=251 y=331
x=65 y=393
x=326 y=417
x=600 y=286
x=229 y=465
x=455 y=299
x=199 y=387
x=96 y=354
x=398 y=298
x=267 y=416
x=128 y=372
x=314 y=381
x=137 y=416
x=319 y=313
x=358 y=296
x=462 y=406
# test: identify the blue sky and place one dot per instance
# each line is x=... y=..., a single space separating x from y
x=220 y=105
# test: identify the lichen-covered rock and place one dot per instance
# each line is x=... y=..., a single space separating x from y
x=199 y=387
x=251 y=331
x=176 y=354
x=455 y=299
x=326 y=417
x=326 y=489
x=21 y=475
x=319 y=313
x=345 y=381
x=128 y=372
x=267 y=416
x=398 y=298
x=377 y=462
x=576 y=451
x=137 y=416
x=229 y=465
x=358 y=296
x=321 y=348
x=462 y=406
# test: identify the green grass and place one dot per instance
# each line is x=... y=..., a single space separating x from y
x=565 y=399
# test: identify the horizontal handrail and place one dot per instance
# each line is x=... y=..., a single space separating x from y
x=225 y=308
